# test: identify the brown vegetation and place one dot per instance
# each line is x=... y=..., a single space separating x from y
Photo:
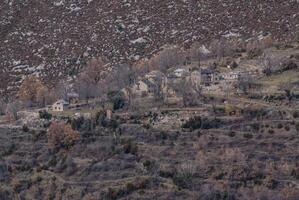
x=33 y=91
x=62 y=135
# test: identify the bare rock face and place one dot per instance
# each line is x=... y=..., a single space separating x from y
x=55 y=38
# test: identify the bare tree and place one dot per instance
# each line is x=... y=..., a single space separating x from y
x=141 y=67
x=184 y=88
x=245 y=83
x=166 y=58
x=199 y=52
x=3 y=106
x=221 y=48
x=271 y=63
x=122 y=76
x=90 y=81
x=12 y=110
x=61 y=90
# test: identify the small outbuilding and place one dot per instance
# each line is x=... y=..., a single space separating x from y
x=73 y=97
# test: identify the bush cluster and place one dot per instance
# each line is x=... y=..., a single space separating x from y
x=202 y=123
x=43 y=114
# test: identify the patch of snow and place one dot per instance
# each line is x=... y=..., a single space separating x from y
x=231 y=34
x=139 y=40
x=59 y=3
x=203 y=49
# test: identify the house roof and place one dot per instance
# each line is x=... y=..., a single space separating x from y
x=73 y=94
x=180 y=70
x=61 y=101
x=206 y=71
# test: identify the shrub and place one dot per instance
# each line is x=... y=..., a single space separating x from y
x=271 y=131
x=232 y=134
x=77 y=123
x=113 y=124
x=253 y=53
x=219 y=109
x=184 y=176
x=279 y=126
x=117 y=99
x=43 y=114
x=296 y=114
x=166 y=174
x=193 y=123
x=295 y=173
x=146 y=126
x=256 y=127
x=162 y=136
x=202 y=123
x=11 y=148
x=2 y=107
x=248 y=135
x=100 y=117
x=25 y=128
x=37 y=135
x=62 y=135
x=130 y=146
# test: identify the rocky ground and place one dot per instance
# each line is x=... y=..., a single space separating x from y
x=54 y=38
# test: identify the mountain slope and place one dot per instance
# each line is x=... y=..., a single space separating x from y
x=53 y=38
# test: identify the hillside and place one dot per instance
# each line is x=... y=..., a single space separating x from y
x=54 y=38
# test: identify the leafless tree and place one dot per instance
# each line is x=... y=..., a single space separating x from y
x=271 y=63
x=61 y=90
x=221 y=48
x=245 y=83
x=166 y=58
x=185 y=89
x=3 y=106
x=122 y=76
x=195 y=52
x=199 y=52
x=12 y=110
x=141 y=67
x=90 y=80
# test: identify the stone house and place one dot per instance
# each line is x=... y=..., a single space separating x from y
x=145 y=88
x=60 y=105
x=230 y=76
x=203 y=77
x=207 y=76
x=151 y=86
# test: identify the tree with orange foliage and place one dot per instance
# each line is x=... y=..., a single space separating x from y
x=61 y=134
x=33 y=91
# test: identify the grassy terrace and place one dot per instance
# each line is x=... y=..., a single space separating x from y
x=280 y=79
